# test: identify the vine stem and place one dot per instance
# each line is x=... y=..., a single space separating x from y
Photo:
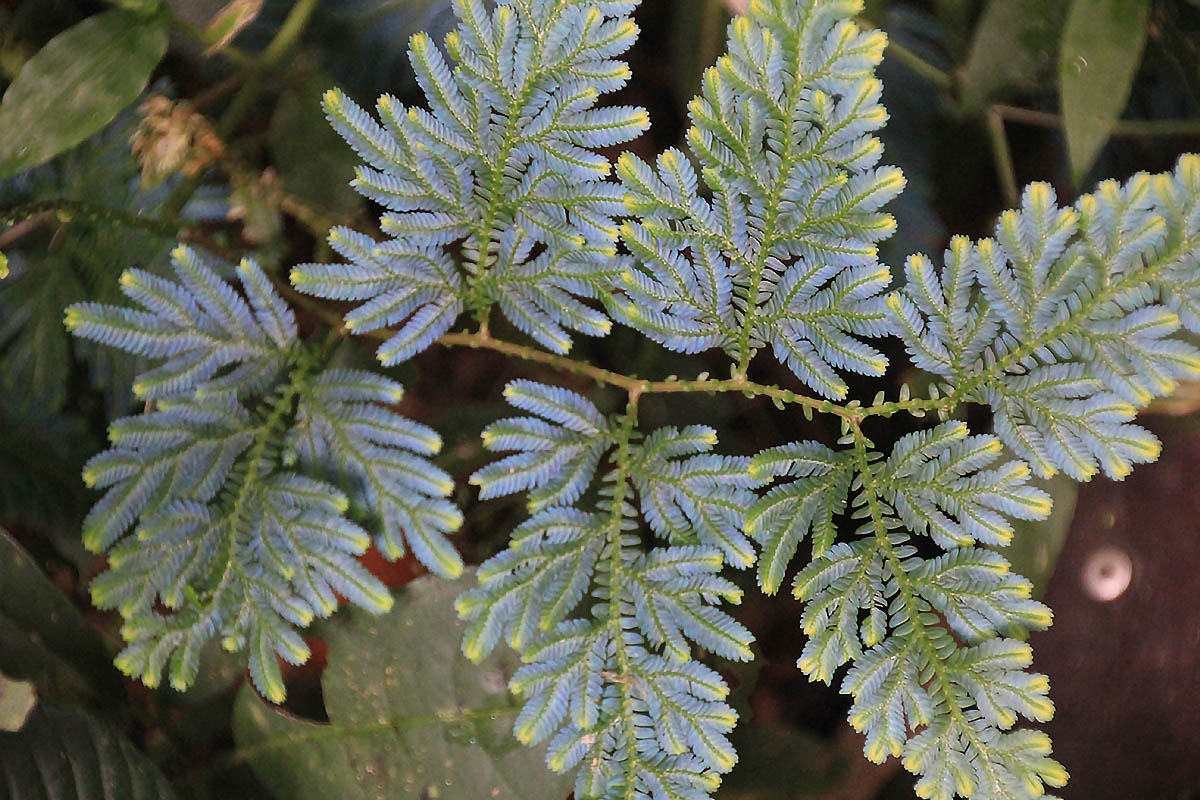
x=28 y=216
x=482 y=339
x=616 y=567
x=637 y=386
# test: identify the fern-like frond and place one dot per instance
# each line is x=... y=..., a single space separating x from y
x=197 y=328
x=945 y=705
x=937 y=485
x=500 y=167
x=698 y=499
x=343 y=429
x=415 y=287
x=607 y=627
x=558 y=455
x=782 y=517
x=218 y=521
x=1065 y=322
x=784 y=253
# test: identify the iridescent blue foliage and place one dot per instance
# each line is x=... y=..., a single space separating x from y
x=500 y=169
x=229 y=502
x=236 y=503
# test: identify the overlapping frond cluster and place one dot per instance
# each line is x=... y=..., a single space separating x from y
x=499 y=174
x=237 y=502
x=228 y=505
x=1065 y=321
x=781 y=249
x=607 y=616
x=939 y=671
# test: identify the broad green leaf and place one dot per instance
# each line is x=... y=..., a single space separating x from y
x=76 y=84
x=36 y=356
x=41 y=456
x=43 y=637
x=62 y=755
x=17 y=699
x=410 y=716
x=3 y=265
x=1100 y=54
x=1014 y=45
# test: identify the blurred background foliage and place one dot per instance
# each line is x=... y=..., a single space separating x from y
x=129 y=124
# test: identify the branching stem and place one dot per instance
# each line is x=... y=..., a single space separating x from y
x=638 y=386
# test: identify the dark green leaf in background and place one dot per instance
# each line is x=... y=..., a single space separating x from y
x=76 y=85
x=61 y=755
x=1101 y=50
x=410 y=717
x=62 y=259
x=783 y=763
x=1014 y=45
x=43 y=637
x=36 y=351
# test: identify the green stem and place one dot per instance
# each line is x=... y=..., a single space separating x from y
x=1005 y=172
x=1122 y=127
x=940 y=680
x=632 y=383
x=625 y=677
x=60 y=207
x=167 y=227
x=289 y=32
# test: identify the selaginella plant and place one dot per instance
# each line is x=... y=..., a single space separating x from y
x=236 y=504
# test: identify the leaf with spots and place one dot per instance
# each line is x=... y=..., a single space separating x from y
x=410 y=716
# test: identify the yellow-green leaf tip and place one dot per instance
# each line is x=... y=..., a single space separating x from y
x=1039 y=617
x=275 y=693
x=72 y=319
x=878 y=751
